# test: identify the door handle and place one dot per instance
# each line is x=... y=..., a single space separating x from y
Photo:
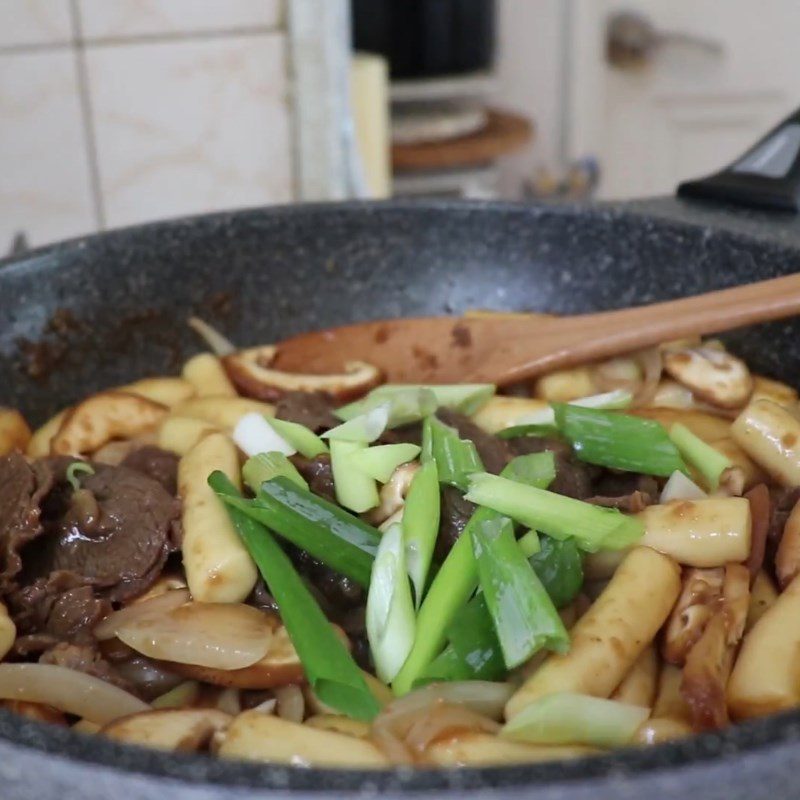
x=632 y=40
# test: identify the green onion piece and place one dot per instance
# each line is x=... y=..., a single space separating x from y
x=451 y=588
x=473 y=652
x=447 y=666
x=390 y=609
x=456 y=459
x=570 y=718
x=407 y=405
x=464 y=397
x=617 y=399
x=305 y=441
x=78 y=468
x=525 y=618
x=473 y=637
x=354 y=489
x=592 y=526
x=619 y=441
x=529 y=544
x=329 y=667
x=364 y=428
x=710 y=463
x=322 y=529
x=534 y=469
x=380 y=461
x=454 y=584
x=515 y=431
x=266 y=466
x=421 y=525
x=559 y=566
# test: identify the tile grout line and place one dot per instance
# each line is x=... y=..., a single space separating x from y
x=88 y=120
x=146 y=38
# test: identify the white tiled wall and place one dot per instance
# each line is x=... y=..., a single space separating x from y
x=114 y=112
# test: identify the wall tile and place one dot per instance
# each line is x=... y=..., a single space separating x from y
x=123 y=18
x=190 y=126
x=25 y=22
x=44 y=176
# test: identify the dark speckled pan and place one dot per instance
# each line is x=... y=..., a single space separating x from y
x=260 y=275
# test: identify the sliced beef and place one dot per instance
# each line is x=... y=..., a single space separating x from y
x=22 y=488
x=87 y=659
x=627 y=491
x=495 y=453
x=339 y=592
x=312 y=409
x=58 y=608
x=405 y=434
x=574 y=478
x=782 y=501
x=158 y=464
x=455 y=513
x=115 y=533
x=261 y=598
x=318 y=474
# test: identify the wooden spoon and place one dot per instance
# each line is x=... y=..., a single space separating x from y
x=505 y=349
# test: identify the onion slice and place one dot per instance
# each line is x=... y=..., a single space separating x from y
x=223 y=636
x=219 y=344
x=152 y=607
x=651 y=362
x=679 y=487
x=68 y=690
x=484 y=697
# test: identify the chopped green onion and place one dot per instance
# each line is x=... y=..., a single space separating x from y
x=364 y=428
x=456 y=458
x=593 y=527
x=78 y=468
x=452 y=587
x=570 y=718
x=305 y=441
x=408 y=405
x=421 y=525
x=710 y=463
x=380 y=461
x=534 y=469
x=354 y=489
x=619 y=441
x=619 y=398
x=525 y=618
x=559 y=565
x=473 y=652
x=447 y=666
x=266 y=466
x=515 y=431
x=328 y=666
x=529 y=544
x=254 y=435
x=464 y=397
x=322 y=529
x=390 y=609
x=472 y=637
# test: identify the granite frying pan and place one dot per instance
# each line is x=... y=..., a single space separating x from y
x=107 y=309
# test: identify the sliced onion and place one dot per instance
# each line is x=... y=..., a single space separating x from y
x=267 y=707
x=679 y=487
x=152 y=607
x=217 y=635
x=622 y=372
x=651 y=363
x=291 y=703
x=443 y=720
x=219 y=344
x=229 y=701
x=68 y=690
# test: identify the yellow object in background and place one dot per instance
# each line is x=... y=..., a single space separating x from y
x=369 y=86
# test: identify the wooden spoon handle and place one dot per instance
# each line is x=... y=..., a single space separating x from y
x=572 y=340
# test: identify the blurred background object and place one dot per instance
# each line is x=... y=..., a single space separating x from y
x=117 y=112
